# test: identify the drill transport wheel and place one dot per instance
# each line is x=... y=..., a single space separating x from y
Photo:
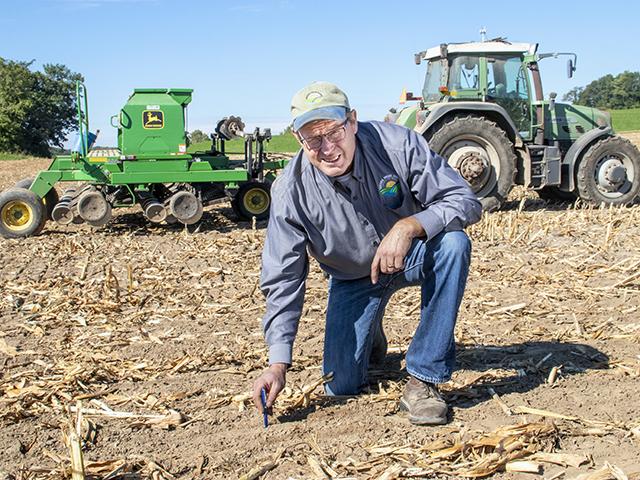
x=253 y=199
x=22 y=213
x=50 y=199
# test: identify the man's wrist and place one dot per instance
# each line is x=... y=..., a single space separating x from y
x=411 y=227
x=279 y=367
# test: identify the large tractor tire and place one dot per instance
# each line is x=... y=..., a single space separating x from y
x=50 y=199
x=252 y=199
x=609 y=172
x=481 y=152
x=555 y=195
x=22 y=213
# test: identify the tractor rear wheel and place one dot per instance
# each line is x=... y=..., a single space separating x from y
x=50 y=199
x=252 y=199
x=480 y=151
x=22 y=213
x=609 y=172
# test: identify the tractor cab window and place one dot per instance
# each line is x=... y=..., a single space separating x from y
x=433 y=81
x=464 y=73
x=507 y=85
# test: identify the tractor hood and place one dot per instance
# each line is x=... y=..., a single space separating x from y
x=564 y=121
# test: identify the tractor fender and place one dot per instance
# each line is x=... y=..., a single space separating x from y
x=575 y=152
x=492 y=111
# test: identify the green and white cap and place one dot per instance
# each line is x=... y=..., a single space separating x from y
x=318 y=101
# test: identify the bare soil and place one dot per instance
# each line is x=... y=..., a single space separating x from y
x=164 y=321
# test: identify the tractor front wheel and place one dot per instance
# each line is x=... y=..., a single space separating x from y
x=480 y=151
x=22 y=213
x=609 y=172
x=50 y=199
x=252 y=199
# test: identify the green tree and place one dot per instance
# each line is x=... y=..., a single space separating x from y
x=198 y=136
x=598 y=93
x=626 y=90
x=37 y=109
x=572 y=95
x=609 y=92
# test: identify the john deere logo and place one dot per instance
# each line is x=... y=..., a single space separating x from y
x=152 y=119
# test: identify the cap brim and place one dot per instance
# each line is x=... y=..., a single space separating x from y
x=325 y=113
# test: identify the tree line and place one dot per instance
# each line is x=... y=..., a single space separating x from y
x=37 y=108
x=609 y=92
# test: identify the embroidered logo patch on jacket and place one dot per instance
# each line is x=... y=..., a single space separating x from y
x=390 y=193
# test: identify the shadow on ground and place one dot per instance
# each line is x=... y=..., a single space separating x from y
x=530 y=362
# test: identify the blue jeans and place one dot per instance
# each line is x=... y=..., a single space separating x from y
x=356 y=307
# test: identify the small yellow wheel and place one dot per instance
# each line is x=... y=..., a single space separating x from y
x=22 y=213
x=50 y=199
x=256 y=201
x=253 y=199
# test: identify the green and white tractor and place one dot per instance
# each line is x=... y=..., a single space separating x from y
x=483 y=109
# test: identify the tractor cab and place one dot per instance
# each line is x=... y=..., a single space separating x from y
x=505 y=74
x=493 y=71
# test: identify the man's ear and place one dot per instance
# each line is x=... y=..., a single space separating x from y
x=354 y=120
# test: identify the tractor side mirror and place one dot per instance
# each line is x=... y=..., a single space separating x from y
x=552 y=100
x=570 y=68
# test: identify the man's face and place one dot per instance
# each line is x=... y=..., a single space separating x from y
x=330 y=145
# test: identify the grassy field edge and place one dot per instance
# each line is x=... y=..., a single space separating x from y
x=626 y=120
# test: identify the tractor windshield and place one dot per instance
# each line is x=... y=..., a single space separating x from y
x=508 y=86
x=433 y=81
x=464 y=73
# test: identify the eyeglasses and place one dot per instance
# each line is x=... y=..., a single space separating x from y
x=333 y=136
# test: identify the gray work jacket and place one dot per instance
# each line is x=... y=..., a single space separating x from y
x=394 y=175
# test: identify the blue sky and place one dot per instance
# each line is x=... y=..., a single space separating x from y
x=248 y=57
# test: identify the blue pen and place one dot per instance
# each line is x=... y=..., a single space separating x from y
x=265 y=416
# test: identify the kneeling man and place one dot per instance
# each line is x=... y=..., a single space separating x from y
x=379 y=211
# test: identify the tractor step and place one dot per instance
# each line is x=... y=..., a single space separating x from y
x=545 y=166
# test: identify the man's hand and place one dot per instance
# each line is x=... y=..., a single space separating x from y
x=390 y=255
x=273 y=381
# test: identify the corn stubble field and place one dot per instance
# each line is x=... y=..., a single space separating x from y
x=138 y=344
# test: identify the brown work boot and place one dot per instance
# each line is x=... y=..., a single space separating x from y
x=424 y=403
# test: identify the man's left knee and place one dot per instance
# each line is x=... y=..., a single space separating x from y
x=342 y=385
x=455 y=243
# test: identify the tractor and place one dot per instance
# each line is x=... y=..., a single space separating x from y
x=151 y=168
x=482 y=108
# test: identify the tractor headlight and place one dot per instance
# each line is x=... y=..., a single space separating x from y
x=421 y=116
x=392 y=116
